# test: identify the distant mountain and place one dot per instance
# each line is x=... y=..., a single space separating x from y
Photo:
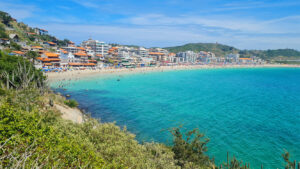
x=222 y=50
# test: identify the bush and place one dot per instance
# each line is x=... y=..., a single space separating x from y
x=71 y=103
x=18 y=73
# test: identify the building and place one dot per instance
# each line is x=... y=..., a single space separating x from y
x=188 y=56
x=14 y=37
x=97 y=46
x=143 y=52
x=40 y=31
x=4 y=41
x=49 y=59
x=157 y=56
x=18 y=53
x=232 y=58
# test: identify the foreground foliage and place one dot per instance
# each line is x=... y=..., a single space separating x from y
x=34 y=135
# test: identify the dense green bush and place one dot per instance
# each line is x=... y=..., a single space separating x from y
x=71 y=103
x=17 y=72
x=37 y=132
x=3 y=34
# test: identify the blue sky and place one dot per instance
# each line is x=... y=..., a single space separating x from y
x=246 y=24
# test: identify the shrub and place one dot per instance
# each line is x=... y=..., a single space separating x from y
x=71 y=103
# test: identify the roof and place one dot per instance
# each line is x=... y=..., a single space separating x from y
x=48 y=64
x=89 y=64
x=12 y=36
x=92 y=60
x=30 y=33
x=70 y=42
x=99 y=55
x=52 y=55
x=36 y=47
x=81 y=48
x=80 y=54
x=51 y=43
x=82 y=64
x=155 y=53
x=74 y=64
x=43 y=59
x=54 y=59
x=245 y=58
x=18 y=52
x=43 y=30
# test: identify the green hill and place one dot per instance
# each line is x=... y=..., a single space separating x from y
x=222 y=50
x=218 y=49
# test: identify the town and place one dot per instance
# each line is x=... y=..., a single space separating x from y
x=53 y=55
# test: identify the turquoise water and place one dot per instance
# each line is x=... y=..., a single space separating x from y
x=253 y=114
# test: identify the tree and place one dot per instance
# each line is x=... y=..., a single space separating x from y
x=15 y=46
x=192 y=149
x=3 y=34
x=5 y=17
x=32 y=55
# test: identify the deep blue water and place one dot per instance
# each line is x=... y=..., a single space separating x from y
x=253 y=114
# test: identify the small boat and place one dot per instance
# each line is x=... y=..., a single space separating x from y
x=118 y=80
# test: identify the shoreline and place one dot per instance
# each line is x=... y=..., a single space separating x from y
x=78 y=74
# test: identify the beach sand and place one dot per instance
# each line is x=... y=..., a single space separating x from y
x=77 y=74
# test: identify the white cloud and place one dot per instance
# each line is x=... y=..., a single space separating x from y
x=243 y=5
x=242 y=25
x=18 y=11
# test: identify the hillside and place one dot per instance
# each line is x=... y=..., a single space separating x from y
x=26 y=34
x=218 y=49
x=222 y=50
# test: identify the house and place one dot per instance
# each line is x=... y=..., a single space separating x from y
x=81 y=56
x=52 y=44
x=30 y=33
x=49 y=59
x=4 y=41
x=14 y=37
x=245 y=60
x=18 y=53
x=40 y=31
x=156 y=55
x=70 y=43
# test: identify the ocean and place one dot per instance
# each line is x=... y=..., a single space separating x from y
x=252 y=113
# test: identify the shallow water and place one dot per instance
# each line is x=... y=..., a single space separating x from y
x=253 y=114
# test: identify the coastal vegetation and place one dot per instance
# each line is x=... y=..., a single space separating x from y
x=71 y=103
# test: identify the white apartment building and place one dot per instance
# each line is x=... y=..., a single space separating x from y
x=188 y=56
x=97 y=46
x=143 y=52
x=232 y=58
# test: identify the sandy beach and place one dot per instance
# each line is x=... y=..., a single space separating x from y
x=77 y=74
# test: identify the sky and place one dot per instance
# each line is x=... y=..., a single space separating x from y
x=245 y=24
